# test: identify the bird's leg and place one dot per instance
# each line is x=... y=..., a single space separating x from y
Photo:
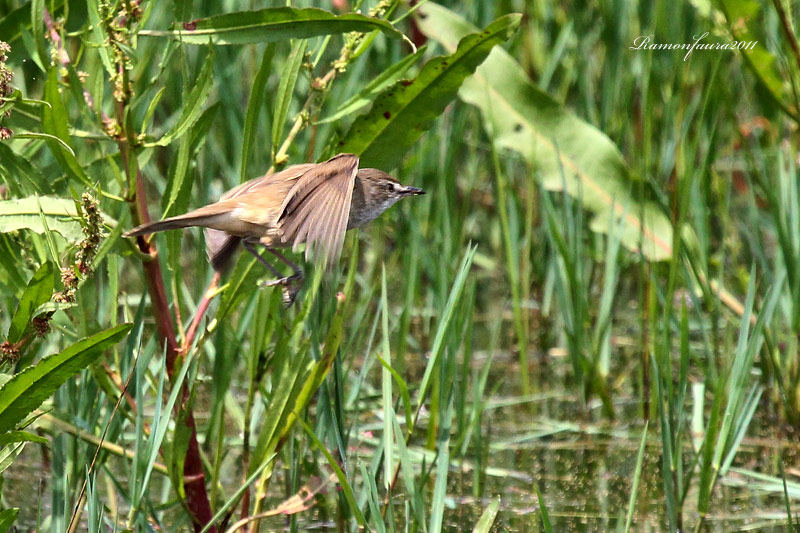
x=249 y=247
x=282 y=280
x=291 y=284
x=298 y=273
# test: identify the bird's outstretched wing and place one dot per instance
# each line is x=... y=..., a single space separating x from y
x=221 y=246
x=317 y=208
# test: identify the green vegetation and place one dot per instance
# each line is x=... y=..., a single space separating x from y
x=591 y=321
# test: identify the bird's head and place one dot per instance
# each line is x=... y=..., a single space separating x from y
x=375 y=192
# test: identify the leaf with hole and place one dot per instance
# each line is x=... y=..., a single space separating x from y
x=274 y=24
x=401 y=113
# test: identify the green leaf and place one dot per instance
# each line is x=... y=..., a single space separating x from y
x=340 y=475
x=254 y=109
x=565 y=150
x=25 y=213
x=8 y=102
x=236 y=496
x=488 y=517
x=548 y=527
x=28 y=389
x=37 y=29
x=744 y=16
x=285 y=90
x=14 y=21
x=10 y=452
x=373 y=88
x=46 y=137
x=405 y=110
x=20 y=436
x=56 y=123
x=151 y=109
x=637 y=474
x=194 y=102
x=274 y=24
x=20 y=175
x=444 y=325
x=7 y=518
x=38 y=291
x=176 y=175
x=100 y=38
x=300 y=379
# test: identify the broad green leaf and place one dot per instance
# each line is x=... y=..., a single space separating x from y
x=28 y=389
x=38 y=291
x=20 y=436
x=566 y=152
x=285 y=91
x=7 y=518
x=193 y=102
x=20 y=175
x=742 y=17
x=274 y=24
x=403 y=111
x=373 y=88
x=56 y=123
x=26 y=213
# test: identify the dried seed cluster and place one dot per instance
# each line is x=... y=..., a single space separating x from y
x=117 y=25
x=6 y=76
x=92 y=223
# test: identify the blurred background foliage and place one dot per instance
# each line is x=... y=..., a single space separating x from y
x=589 y=322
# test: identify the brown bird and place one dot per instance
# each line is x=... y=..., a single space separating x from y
x=311 y=203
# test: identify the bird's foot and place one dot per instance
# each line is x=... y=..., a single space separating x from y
x=290 y=287
x=283 y=282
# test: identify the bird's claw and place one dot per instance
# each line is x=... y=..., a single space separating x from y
x=290 y=287
x=283 y=282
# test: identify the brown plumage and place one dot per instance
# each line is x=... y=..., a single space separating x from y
x=310 y=203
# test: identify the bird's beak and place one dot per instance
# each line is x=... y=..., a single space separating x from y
x=412 y=191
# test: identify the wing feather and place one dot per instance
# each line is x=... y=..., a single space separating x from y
x=317 y=207
x=220 y=246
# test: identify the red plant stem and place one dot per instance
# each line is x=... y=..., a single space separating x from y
x=63 y=57
x=201 y=311
x=196 y=499
x=194 y=484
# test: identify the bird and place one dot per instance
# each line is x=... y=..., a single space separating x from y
x=312 y=204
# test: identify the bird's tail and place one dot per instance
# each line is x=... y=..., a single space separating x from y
x=180 y=221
